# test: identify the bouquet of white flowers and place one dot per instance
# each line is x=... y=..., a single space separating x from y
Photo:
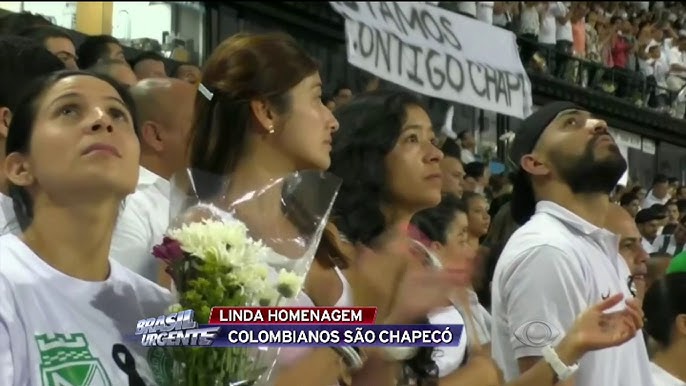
x=221 y=251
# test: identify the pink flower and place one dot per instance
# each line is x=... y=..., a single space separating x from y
x=169 y=251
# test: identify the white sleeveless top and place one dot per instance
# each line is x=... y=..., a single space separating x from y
x=346 y=299
x=449 y=359
x=288 y=355
x=302 y=300
x=663 y=378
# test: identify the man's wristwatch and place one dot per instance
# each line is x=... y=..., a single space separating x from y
x=560 y=368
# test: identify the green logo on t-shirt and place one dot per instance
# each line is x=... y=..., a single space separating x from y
x=66 y=360
x=161 y=363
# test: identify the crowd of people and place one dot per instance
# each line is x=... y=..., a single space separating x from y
x=103 y=54
x=642 y=42
x=558 y=286
x=659 y=214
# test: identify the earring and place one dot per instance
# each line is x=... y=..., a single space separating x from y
x=270 y=129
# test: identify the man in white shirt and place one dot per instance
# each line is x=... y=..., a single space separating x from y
x=648 y=223
x=563 y=36
x=22 y=61
x=659 y=64
x=659 y=193
x=676 y=79
x=547 y=33
x=677 y=60
x=165 y=113
x=561 y=261
x=529 y=28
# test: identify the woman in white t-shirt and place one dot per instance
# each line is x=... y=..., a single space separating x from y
x=68 y=309
x=665 y=314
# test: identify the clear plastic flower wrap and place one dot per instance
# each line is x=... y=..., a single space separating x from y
x=233 y=245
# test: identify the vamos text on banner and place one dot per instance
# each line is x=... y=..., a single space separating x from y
x=437 y=53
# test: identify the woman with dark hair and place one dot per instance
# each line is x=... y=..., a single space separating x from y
x=385 y=154
x=259 y=117
x=478 y=217
x=631 y=203
x=265 y=116
x=72 y=157
x=479 y=223
x=443 y=231
x=665 y=315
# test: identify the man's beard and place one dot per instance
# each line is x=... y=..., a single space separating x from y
x=586 y=174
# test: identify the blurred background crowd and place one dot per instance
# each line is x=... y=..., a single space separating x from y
x=632 y=50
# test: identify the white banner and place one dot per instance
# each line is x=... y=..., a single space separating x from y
x=438 y=53
x=648 y=146
x=627 y=139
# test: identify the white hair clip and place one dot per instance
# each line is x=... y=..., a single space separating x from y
x=205 y=92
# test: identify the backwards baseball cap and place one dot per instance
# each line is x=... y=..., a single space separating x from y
x=523 y=202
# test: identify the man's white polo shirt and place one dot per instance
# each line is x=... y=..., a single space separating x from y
x=552 y=269
x=141 y=225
